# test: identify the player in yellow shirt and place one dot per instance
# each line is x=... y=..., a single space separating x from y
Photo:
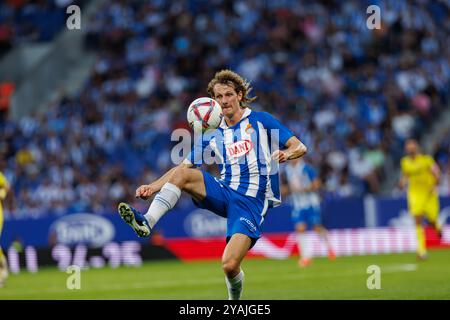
x=421 y=174
x=4 y=188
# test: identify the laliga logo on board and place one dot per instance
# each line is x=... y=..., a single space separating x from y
x=86 y=228
x=202 y=223
x=240 y=148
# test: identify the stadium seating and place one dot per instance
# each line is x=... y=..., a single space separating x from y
x=22 y=22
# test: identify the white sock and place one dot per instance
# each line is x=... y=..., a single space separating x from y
x=235 y=286
x=165 y=200
x=304 y=245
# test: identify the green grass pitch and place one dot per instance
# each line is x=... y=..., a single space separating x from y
x=402 y=277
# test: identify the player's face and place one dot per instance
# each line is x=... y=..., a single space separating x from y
x=228 y=99
x=411 y=147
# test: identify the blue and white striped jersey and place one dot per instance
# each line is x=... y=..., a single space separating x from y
x=301 y=175
x=243 y=153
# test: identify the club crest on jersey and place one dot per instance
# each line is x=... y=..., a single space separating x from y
x=239 y=149
x=249 y=129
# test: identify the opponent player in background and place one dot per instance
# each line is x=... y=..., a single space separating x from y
x=421 y=174
x=246 y=188
x=304 y=185
x=4 y=188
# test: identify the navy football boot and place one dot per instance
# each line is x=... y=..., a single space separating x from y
x=135 y=219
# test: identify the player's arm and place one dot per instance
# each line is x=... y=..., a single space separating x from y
x=294 y=149
x=147 y=190
x=436 y=172
x=284 y=190
x=4 y=187
x=315 y=185
x=3 y=193
x=402 y=182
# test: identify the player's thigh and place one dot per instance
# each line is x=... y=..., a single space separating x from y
x=416 y=204
x=245 y=215
x=416 y=213
x=299 y=224
x=314 y=218
x=217 y=196
x=195 y=184
x=300 y=220
x=236 y=248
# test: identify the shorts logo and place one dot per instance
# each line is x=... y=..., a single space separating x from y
x=252 y=226
x=240 y=148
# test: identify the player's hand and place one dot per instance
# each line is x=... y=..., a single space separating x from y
x=145 y=191
x=280 y=156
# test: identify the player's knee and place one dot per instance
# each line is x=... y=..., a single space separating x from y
x=230 y=267
x=418 y=220
x=180 y=177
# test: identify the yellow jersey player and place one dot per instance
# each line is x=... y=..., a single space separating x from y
x=4 y=188
x=421 y=174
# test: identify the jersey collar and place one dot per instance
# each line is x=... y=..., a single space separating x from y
x=247 y=112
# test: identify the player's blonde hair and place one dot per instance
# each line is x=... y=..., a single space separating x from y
x=234 y=80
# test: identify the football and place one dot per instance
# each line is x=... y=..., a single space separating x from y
x=205 y=114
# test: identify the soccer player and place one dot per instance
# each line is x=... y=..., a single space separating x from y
x=421 y=174
x=304 y=184
x=248 y=185
x=4 y=188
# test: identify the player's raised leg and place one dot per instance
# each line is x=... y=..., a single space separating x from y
x=180 y=178
x=233 y=254
x=135 y=219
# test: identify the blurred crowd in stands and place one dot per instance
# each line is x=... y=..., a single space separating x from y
x=352 y=95
x=27 y=21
